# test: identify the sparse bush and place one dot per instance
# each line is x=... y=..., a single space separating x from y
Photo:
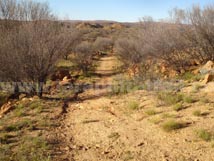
x=130 y=53
x=200 y=32
x=170 y=98
x=19 y=110
x=151 y=112
x=178 y=107
x=189 y=76
x=169 y=115
x=19 y=125
x=156 y=120
x=35 y=149
x=204 y=100
x=133 y=105
x=83 y=58
x=197 y=113
x=205 y=135
x=188 y=99
x=32 y=45
x=103 y=45
x=172 y=125
x=197 y=87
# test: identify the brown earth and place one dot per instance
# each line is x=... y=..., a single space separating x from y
x=104 y=128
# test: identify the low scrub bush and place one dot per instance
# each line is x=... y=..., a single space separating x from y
x=172 y=125
x=151 y=112
x=205 y=135
x=170 y=98
x=178 y=107
x=197 y=113
x=133 y=105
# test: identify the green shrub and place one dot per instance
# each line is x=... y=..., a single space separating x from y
x=34 y=149
x=18 y=126
x=197 y=87
x=151 y=112
x=178 y=107
x=156 y=120
x=188 y=99
x=204 y=100
x=205 y=135
x=169 y=115
x=170 y=98
x=197 y=113
x=133 y=105
x=189 y=76
x=19 y=110
x=172 y=125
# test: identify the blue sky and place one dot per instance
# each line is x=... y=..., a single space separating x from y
x=118 y=10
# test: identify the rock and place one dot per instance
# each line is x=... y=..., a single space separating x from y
x=208 y=78
x=65 y=78
x=182 y=71
x=173 y=73
x=207 y=68
x=196 y=71
x=59 y=75
x=194 y=62
x=52 y=89
x=36 y=97
x=163 y=69
x=6 y=108
x=22 y=96
x=66 y=81
x=24 y=99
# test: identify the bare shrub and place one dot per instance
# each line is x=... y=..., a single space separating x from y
x=41 y=46
x=84 y=57
x=30 y=49
x=130 y=52
x=103 y=45
x=198 y=29
x=72 y=38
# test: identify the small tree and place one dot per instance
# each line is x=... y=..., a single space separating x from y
x=72 y=38
x=198 y=26
x=29 y=50
x=84 y=57
x=41 y=44
x=103 y=45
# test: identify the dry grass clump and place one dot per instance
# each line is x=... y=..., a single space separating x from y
x=172 y=125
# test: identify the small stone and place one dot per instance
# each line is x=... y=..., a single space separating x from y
x=105 y=152
x=22 y=96
x=208 y=78
x=141 y=144
x=67 y=148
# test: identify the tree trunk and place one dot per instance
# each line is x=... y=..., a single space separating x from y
x=66 y=57
x=40 y=89
x=15 y=94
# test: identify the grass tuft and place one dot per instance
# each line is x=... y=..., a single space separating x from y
x=151 y=112
x=170 y=98
x=172 y=125
x=178 y=107
x=205 y=135
x=134 y=105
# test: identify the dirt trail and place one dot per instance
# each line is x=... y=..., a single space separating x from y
x=98 y=129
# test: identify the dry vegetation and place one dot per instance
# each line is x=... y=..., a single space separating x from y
x=105 y=90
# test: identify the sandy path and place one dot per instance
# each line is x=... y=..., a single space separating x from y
x=96 y=129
